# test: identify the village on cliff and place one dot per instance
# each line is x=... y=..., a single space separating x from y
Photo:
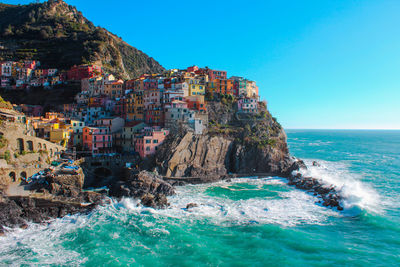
x=115 y=116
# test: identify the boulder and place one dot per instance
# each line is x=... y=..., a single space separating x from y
x=191 y=205
x=148 y=187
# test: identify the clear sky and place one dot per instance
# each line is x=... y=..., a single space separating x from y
x=318 y=63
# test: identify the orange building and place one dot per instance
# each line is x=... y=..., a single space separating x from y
x=220 y=86
x=114 y=89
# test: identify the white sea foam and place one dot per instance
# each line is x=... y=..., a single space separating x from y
x=291 y=208
x=40 y=243
x=45 y=243
x=357 y=194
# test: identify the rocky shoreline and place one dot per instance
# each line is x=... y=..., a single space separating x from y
x=65 y=196
x=62 y=196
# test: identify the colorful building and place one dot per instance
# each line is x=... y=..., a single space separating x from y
x=197 y=86
x=114 y=89
x=60 y=136
x=247 y=105
x=134 y=106
x=152 y=97
x=149 y=140
x=154 y=115
x=196 y=103
x=97 y=140
x=77 y=73
x=129 y=132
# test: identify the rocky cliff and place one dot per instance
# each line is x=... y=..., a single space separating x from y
x=59 y=36
x=234 y=143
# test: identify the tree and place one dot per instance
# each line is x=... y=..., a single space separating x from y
x=8 y=31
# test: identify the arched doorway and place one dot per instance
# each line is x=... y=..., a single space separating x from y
x=23 y=175
x=12 y=176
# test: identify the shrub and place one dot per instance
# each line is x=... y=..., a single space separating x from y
x=3 y=142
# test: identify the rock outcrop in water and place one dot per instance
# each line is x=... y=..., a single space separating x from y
x=148 y=187
x=330 y=197
x=234 y=143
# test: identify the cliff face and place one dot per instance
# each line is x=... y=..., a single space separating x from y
x=234 y=143
x=60 y=36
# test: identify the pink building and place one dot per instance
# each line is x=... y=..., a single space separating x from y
x=97 y=140
x=152 y=97
x=149 y=140
x=216 y=74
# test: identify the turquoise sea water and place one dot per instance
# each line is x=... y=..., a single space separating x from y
x=246 y=222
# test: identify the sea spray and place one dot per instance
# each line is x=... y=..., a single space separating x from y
x=357 y=195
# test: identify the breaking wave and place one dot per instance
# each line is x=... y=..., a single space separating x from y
x=357 y=195
x=290 y=208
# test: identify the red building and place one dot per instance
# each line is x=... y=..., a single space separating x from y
x=150 y=83
x=97 y=140
x=120 y=108
x=130 y=84
x=212 y=74
x=77 y=73
x=197 y=104
x=192 y=69
x=154 y=115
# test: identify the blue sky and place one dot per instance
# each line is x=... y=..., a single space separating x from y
x=320 y=64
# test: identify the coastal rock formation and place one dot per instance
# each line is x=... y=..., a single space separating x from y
x=62 y=195
x=196 y=156
x=234 y=143
x=18 y=211
x=330 y=197
x=148 y=187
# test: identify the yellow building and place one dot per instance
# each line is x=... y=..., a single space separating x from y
x=59 y=136
x=196 y=87
x=134 y=106
x=38 y=73
x=211 y=87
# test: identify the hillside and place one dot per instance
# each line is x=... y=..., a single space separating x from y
x=59 y=36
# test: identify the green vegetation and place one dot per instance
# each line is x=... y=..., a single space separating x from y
x=60 y=36
x=259 y=130
x=6 y=156
x=3 y=141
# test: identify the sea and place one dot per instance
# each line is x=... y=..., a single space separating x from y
x=244 y=222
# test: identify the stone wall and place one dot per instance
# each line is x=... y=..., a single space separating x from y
x=27 y=154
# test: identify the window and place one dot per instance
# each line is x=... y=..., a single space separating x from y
x=155 y=141
x=148 y=148
x=148 y=141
